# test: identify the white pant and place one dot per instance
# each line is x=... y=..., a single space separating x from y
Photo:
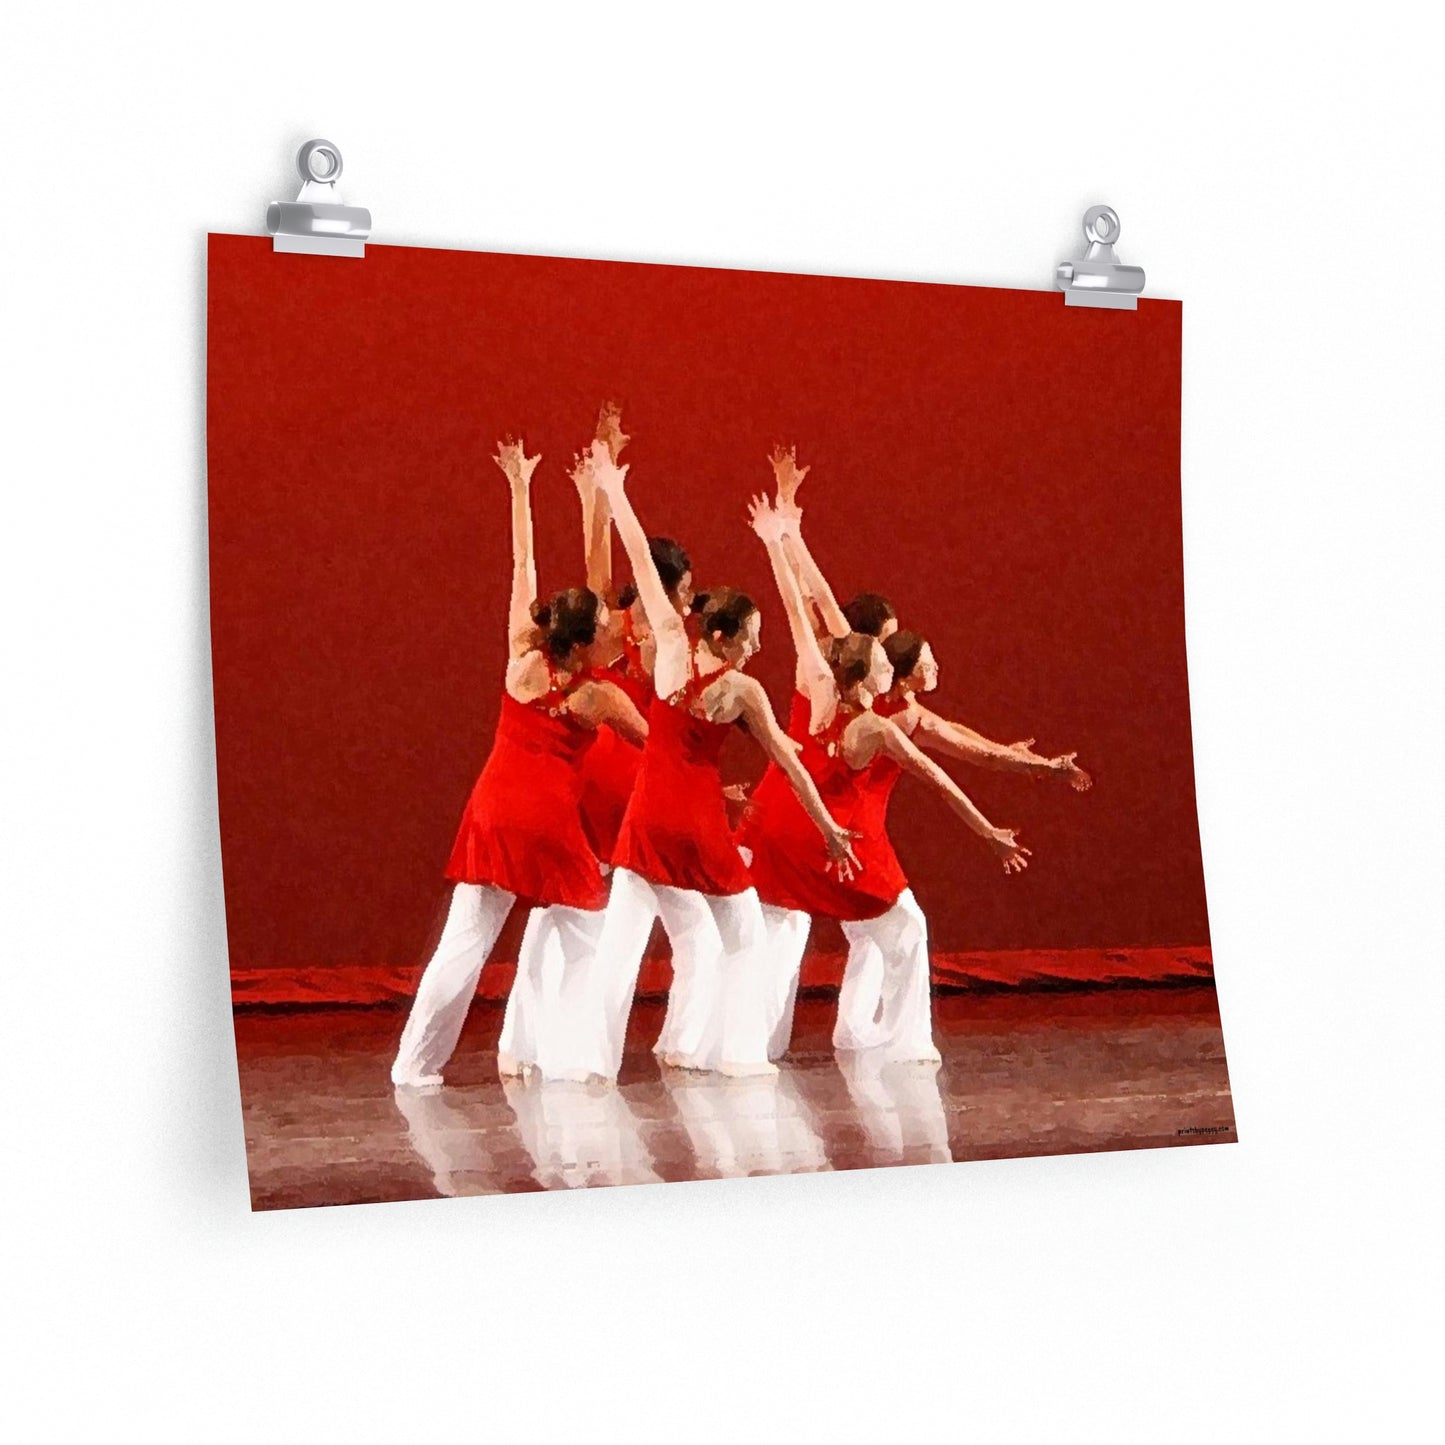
x=884 y=1002
x=787 y=935
x=719 y=1011
x=474 y=919
x=559 y=945
x=558 y=942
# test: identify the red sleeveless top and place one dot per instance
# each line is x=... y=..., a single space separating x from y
x=789 y=856
x=609 y=769
x=522 y=827
x=675 y=831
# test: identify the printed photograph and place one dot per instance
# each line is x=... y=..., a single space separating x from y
x=676 y=724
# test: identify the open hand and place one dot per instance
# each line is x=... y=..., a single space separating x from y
x=514 y=461
x=1079 y=780
x=1007 y=847
x=841 y=857
x=609 y=429
x=765 y=521
x=787 y=473
x=609 y=477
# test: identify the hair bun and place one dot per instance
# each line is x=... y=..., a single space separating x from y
x=542 y=613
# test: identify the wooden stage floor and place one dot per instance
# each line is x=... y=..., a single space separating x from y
x=1023 y=1073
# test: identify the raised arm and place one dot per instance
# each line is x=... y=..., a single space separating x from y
x=596 y=527
x=518 y=466
x=813 y=583
x=953 y=740
x=788 y=476
x=672 y=662
x=815 y=677
x=596 y=511
x=757 y=712
x=871 y=732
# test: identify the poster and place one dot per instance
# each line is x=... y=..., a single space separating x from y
x=1001 y=469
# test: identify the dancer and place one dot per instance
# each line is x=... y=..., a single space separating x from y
x=873 y=614
x=916 y=671
x=609 y=771
x=675 y=857
x=625 y=647
x=855 y=757
x=521 y=833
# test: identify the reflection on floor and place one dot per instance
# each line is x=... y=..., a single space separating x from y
x=1022 y=1074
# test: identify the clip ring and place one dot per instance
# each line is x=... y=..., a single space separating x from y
x=316 y=154
x=1101 y=223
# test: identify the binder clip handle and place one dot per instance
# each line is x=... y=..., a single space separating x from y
x=316 y=223
x=1099 y=279
x=319 y=162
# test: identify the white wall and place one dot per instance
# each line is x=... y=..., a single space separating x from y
x=1281 y=174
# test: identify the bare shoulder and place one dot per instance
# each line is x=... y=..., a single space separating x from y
x=868 y=725
x=733 y=695
x=865 y=737
x=527 y=676
x=596 y=695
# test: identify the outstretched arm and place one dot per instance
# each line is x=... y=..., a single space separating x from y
x=893 y=741
x=788 y=476
x=953 y=740
x=815 y=677
x=518 y=466
x=671 y=666
x=756 y=711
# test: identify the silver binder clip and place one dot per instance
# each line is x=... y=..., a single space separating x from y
x=1099 y=279
x=316 y=223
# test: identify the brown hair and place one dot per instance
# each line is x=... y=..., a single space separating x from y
x=903 y=649
x=868 y=612
x=567 y=620
x=851 y=659
x=723 y=612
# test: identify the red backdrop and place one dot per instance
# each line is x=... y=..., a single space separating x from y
x=1004 y=467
